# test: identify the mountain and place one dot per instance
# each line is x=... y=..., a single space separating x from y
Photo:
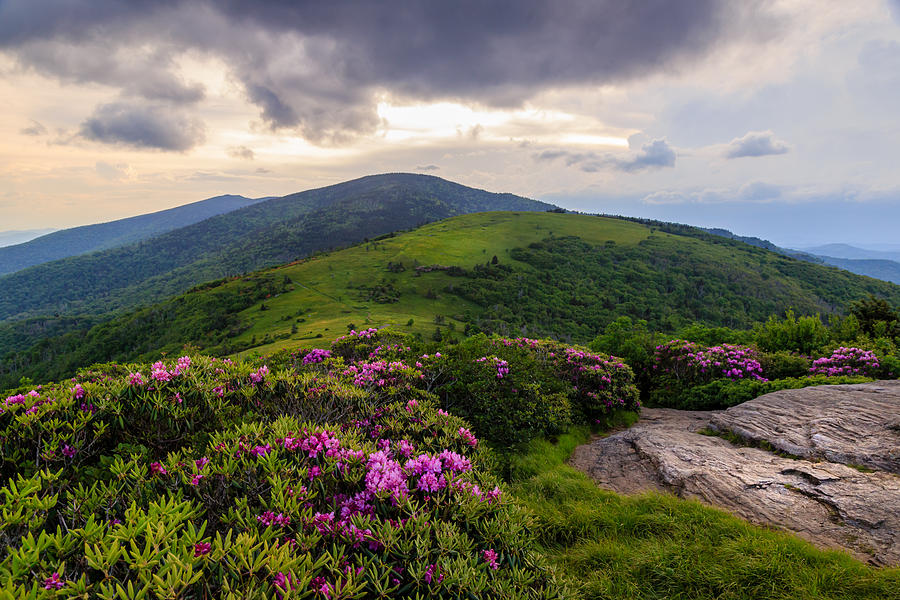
x=871 y=263
x=888 y=270
x=91 y=238
x=20 y=236
x=853 y=252
x=263 y=234
x=753 y=241
x=536 y=274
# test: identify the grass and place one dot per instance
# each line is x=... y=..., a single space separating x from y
x=327 y=286
x=656 y=546
x=736 y=440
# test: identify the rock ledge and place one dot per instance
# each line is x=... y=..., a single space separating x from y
x=818 y=497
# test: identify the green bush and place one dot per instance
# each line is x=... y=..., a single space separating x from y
x=724 y=393
x=506 y=393
x=515 y=389
x=371 y=343
x=806 y=335
x=783 y=364
x=231 y=499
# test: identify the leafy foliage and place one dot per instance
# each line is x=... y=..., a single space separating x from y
x=724 y=393
x=199 y=477
x=513 y=390
x=575 y=289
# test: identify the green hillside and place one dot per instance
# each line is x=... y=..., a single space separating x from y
x=267 y=233
x=560 y=275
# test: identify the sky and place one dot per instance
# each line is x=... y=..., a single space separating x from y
x=771 y=118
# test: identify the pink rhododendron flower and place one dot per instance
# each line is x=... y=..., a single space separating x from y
x=490 y=557
x=202 y=548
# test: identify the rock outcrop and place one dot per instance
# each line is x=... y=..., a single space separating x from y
x=819 y=497
x=847 y=424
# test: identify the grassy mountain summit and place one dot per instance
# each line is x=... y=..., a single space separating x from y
x=102 y=236
x=537 y=274
x=264 y=234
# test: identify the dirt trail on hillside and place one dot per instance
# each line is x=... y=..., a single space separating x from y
x=830 y=471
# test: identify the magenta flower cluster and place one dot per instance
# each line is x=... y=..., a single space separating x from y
x=365 y=334
x=379 y=373
x=847 y=361
x=316 y=355
x=691 y=363
x=498 y=363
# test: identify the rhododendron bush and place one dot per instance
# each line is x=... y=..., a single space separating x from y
x=515 y=389
x=322 y=476
x=847 y=361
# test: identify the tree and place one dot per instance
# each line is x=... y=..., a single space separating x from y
x=871 y=311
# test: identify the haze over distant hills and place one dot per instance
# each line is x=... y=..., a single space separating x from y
x=880 y=264
x=15 y=236
x=263 y=234
x=101 y=236
x=854 y=252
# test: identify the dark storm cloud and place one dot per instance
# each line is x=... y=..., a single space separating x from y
x=155 y=127
x=756 y=143
x=652 y=155
x=318 y=67
x=143 y=72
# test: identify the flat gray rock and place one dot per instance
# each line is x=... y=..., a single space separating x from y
x=824 y=501
x=848 y=424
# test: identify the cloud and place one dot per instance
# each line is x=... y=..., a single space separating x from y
x=112 y=172
x=319 y=68
x=427 y=168
x=35 y=129
x=242 y=152
x=757 y=191
x=156 y=127
x=753 y=192
x=652 y=155
x=756 y=143
x=145 y=71
x=895 y=8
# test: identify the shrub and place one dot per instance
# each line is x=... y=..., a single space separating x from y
x=724 y=393
x=371 y=343
x=890 y=367
x=806 y=335
x=686 y=363
x=515 y=389
x=847 y=361
x=634 y=343
x=781 y=364
x=396 y=502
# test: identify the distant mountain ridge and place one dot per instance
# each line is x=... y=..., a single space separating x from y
x=871 y=263
x=263 y=234
x=102 y=236
x=20 y=236
x=852 y=252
